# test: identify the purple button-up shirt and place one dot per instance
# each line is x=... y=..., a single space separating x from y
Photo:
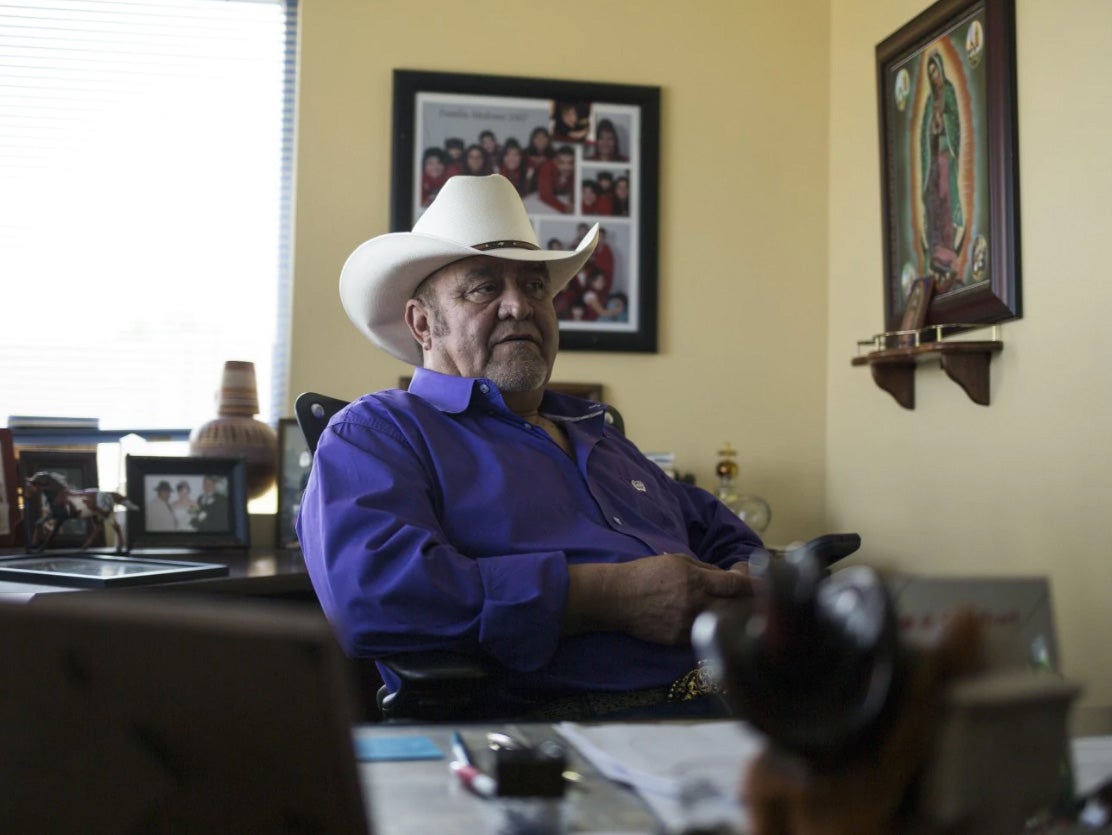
x=436 y=518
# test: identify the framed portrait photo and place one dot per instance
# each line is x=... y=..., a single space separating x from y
x=949 y=163
x=79 y=471
x=187 y=502
x=294 y=463
x=9 y=501
x=578 y=153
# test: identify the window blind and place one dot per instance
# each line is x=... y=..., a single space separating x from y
x=146 y=155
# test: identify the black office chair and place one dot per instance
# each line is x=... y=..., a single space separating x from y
x=438 y=684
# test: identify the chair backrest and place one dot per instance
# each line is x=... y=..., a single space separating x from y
x=128 y=712
x=313 y=411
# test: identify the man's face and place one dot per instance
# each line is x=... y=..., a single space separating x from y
x=488 y=317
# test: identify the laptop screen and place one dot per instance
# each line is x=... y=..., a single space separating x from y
x=127 y=713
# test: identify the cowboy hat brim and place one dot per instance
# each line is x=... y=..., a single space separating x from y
x=381 y=275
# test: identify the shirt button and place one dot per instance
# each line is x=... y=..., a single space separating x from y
x=618 y=520
x=526 y=425
x=484 y=388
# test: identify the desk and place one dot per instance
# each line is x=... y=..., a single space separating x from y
x=419 y=797
x=259 y=572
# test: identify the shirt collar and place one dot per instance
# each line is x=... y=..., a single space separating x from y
x=449 y=394
x=454 y=395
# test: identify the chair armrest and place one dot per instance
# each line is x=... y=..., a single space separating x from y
x=435 y=685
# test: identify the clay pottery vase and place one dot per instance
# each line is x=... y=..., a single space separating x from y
x=235 y=433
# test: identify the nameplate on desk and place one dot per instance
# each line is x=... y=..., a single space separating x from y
x=91 y=570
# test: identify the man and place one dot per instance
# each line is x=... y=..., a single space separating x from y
x=160 y=514
x=477 y=511
x=212 y=504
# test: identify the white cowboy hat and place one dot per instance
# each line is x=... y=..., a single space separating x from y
x=470 y=216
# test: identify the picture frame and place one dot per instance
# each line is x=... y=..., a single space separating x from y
x=949 y=165
x=187 y=502
x=79 y=469
x=294 y=463
x=103 y=570
x=613 y=133
x=9 y=492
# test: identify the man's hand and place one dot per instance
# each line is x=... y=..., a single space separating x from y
x=655 y=598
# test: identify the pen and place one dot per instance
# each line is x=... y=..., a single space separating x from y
x=459 y=749
x=474 y=780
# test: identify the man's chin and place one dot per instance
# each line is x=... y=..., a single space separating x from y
x=521 y=377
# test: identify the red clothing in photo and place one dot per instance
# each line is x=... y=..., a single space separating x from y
x=553 y=188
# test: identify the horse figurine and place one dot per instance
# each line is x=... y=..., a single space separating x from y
x=64 y=503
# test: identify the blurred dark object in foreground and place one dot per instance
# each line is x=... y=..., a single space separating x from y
x=868 y=734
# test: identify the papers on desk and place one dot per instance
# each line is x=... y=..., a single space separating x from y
x=1092 y=762
x=688 y=774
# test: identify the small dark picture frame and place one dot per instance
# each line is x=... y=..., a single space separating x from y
x=79 y=469
x=578 y=153
x=949 y=162
x=9 y=494
x=187 y=502
x=294 y=463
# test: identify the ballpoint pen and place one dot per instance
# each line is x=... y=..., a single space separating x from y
x=472 y=778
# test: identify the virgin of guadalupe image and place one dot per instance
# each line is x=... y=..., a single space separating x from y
x=940 y=143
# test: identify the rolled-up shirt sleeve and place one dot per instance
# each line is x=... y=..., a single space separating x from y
x=386 y=573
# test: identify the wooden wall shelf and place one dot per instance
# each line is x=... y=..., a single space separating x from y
x=965 y=362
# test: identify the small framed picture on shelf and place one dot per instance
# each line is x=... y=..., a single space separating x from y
x=9 y=503
x=187 y=502
x=78 y=471
x=294 y=461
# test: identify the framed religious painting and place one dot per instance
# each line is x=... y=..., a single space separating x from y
x=578 y=153
x=949 y=163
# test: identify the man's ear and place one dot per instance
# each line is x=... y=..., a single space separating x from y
x=417 y=318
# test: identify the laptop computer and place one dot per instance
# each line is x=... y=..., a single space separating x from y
x=123 y=712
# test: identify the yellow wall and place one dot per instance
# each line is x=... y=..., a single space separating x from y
x=743 y=209
x=770 y=269
x=1023 y=485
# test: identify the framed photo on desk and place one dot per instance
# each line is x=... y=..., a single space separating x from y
x=9 y=503
x=187 y=502
x=102 y=570
x=79 y=471
x=294 y=462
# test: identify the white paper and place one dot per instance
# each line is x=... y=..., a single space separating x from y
x=688 y=774
x=1092 y=762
